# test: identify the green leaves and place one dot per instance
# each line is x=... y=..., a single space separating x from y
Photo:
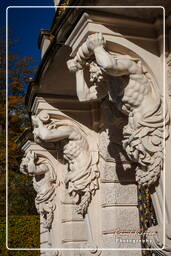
x=23 y=232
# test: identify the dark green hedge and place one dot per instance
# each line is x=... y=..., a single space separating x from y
x=23 y=232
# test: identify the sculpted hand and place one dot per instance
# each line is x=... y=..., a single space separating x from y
x=38 y=128
x=95 y=40
x=31 y=167
x=73 y=65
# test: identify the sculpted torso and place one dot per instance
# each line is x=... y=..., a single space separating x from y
x=134 y=92
x=75 y=145
x=122 y=79
x=79 y=152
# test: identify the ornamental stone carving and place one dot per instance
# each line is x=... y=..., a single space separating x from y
x=127 y=84
x=91 y=182
x=44 y=182
x=80 y=153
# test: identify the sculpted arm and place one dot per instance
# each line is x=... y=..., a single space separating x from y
x=94 y=45
x=110 y=64
x=52 y=135
x=113 y=66
x=28 y=165
x=82 y=89
x=84 y=93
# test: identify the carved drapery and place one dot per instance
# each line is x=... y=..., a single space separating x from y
x=135 y=94
x=169 y=79
x=80 y=153
x=44 y=182
x=126 y=82
x=79 y=173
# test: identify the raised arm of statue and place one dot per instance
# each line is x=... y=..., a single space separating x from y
x=84 y=92
x=80 y=152
x=95 y=45
x=138 y=97
x=113 y=66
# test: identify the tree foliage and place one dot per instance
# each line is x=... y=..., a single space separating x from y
x=20 y=69
x=22 y=233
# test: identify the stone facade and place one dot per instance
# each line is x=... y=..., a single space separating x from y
x=100 y=125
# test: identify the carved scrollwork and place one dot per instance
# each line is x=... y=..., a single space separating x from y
x=44 y=182
x=93 y=251
x=80 y=152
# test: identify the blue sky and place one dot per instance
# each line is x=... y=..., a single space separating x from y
x=26 y=23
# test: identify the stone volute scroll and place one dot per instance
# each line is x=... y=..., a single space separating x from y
x=128 y=84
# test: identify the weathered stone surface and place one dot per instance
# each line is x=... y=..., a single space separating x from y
x=66 y=198
x=117 y=194
x=69 y=213
x=118 y=64
x=124 y=241
x=74 y=231
x=112 y=171
x=122 y=253
x=120 y=218
x=73 y=244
